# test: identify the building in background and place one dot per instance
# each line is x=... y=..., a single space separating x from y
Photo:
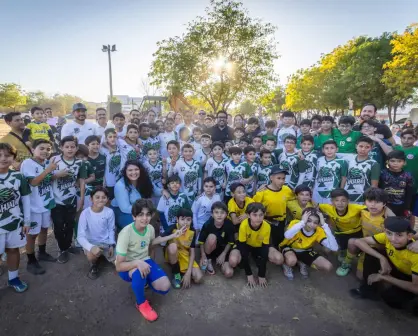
x=128 y=103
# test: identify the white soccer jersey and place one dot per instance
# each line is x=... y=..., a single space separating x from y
x=164 y=139
x=216 y=169
x=263 y=175
x=201 y=157
x=311 y=160
x=190 y=174
x=155 y=173
x=170 y=206
x=328 y=177
x=42 y=196
x=283 y=133
x=113 y=165
x=235 y=173
x=202 y=209
x=127 y=152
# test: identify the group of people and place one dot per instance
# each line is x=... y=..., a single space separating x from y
x=235 y=189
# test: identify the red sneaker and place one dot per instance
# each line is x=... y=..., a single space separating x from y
x=147 y=312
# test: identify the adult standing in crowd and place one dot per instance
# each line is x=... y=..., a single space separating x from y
x=135 y=117
x=14 y=137
x=51 y=121
x=151 y=117
x=408 y=125
x=201 y=120
x=79 y=127
x=101 y=121
x=178 y=119
x=133 y=185
x=221 y=131
x=239 y=121
x=188 y=122
x=396 y=131
x=369 y=112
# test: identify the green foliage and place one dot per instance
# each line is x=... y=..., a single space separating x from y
x=222 y=58
x=274 y=100
x=11 y=95
x=247 y=108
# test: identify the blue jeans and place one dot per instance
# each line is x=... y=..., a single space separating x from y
x=122 y=219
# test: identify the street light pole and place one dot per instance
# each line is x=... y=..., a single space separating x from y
x=109 y=49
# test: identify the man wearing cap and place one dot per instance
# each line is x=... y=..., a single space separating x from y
x=79 y=127
x=389 y=261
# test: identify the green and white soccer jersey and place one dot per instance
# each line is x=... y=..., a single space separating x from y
x=13 y=186
x=146 y=145
x=155 y=143
x=235 y=173
x=113 y=165
x=65 y=188
x=263 y=175
x=171 y=206
x=89 y=171
x=328 y=177
x=346 y=143
x=127 y=152
x=359 y=177
x=293 y=164
x=201 y=156
x=190 y=174
x=311 y=160
x=42 y=196
x=99 y=168
x=155 y=172
x=254 y=168
x=216 y=169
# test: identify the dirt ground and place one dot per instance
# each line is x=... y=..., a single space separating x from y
x=65 y=302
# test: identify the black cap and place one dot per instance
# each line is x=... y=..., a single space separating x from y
x=276 y=169
x=398 y=224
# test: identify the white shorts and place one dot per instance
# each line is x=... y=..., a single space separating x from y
x=105 y=252
x=38 y=221
x=12 y=239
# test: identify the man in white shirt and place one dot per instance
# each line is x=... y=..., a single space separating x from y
x=102 y=121
x=79 y=127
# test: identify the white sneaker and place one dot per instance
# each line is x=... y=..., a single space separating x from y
x=304 y=270
x=288 y=272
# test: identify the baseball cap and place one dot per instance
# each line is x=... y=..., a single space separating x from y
x=79 y=106
x=276 y=169
x=398 y=224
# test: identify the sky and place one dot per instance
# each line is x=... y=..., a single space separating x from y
x=55 y=46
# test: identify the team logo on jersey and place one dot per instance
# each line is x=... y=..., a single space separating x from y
x=325 y=174
x=355 y=176
x=402 y=184
x=9 y=198
x=76 y=130
x=132 y=155
x=172 y=213
x=233 y=176
x=410 y=156
x=217 y=174
x=143 y=244
x=114 y=164
x=190 y=179
x=349 y=139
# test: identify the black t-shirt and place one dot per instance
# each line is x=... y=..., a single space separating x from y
x=381 y=129
x=224 y=235
x=218 y=134
x=99 y=166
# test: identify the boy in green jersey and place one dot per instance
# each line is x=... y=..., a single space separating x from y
x=325 y=132
x=305 y=129
x=345 y=137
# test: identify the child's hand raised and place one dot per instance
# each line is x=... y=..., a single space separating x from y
x=305 y=216
x=180 y=232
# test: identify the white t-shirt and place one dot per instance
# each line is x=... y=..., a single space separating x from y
x=180 y=126
x=202 y=209
x=283 y=133
x=100 y=129
x=81 y=132
x=96 y=228
x=164 y=139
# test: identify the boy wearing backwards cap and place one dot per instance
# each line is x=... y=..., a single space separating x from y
x=394 y=265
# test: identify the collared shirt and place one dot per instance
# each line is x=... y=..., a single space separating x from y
x=217 y=134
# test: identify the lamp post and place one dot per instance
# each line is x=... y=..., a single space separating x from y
x=110 y=49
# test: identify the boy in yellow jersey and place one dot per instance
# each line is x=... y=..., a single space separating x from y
x=345 y=218
x=303 y=200
x=237 y=205
x=300 y=238
x=180 y=252
x=38 y=128
x=390 y=270
x=372 y=220
x=254 y=239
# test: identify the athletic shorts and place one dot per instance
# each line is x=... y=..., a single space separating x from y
x=277 y=232
x=307 y=257
x=183 y=258
x=156 y=272
x=219 y=249
x=38 y=221
x=105 y=253
x=13 y=239
x=342 y=239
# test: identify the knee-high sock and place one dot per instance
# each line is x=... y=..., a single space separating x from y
x=138 y=286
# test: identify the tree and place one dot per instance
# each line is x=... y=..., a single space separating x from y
x=222 y=58
x=274 y=100
x=36 y=98
x=11 y=95
x=115 y=100
x=247 y=108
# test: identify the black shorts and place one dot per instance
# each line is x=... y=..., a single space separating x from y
x=111 y=191
x=277 y=232
x=342 y=239
x=217 y=252
x=307 y=257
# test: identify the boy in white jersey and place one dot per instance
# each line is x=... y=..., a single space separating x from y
x=363 y=172
x=68 y=174
x=201 y=207
x=173 y=149
x=14 y=190
x=155 y=168
x=128 y=146
x=203 y=154
x=197 y=138
x=167 y=136
x=144 y=137
x=288 y=128
x=332 y=173
x=96 y=231
x=113 y=161
x=249 y=163
x=215 y=167
x=310 y=156
x=264 y=169
x=37 y=171
x=153 y=138
x=189 y=171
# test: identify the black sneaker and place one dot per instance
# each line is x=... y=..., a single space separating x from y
x=93 y=273
x=74 y=250
x=63 y=257
x=364 y=292
x=35 y=268
x=44 y=256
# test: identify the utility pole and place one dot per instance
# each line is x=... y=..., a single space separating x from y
x=109 y=49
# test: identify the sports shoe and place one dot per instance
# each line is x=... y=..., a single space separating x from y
x=304 y=270
x=343 y=270
x=341 y=256
x=147 y=312
x=74 y=250
x=18 y=285
x=204 y=266
x=63 y=257
x=44 y=256
x=93 y=273
x=35 y=268
x=364 y=292
x=209 y=268
x=176 y=282
x=288 y=272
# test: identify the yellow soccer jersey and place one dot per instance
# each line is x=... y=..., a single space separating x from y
x=348 y=223
x=372 y=225
x=254 y=238
x=38 y=131
x=275 y=202
x=404 y=260
x=295 y=210
x=234 y=208
x=301 y=241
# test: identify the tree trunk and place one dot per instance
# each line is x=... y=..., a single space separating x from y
x=394 y=112
x=390 y=114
